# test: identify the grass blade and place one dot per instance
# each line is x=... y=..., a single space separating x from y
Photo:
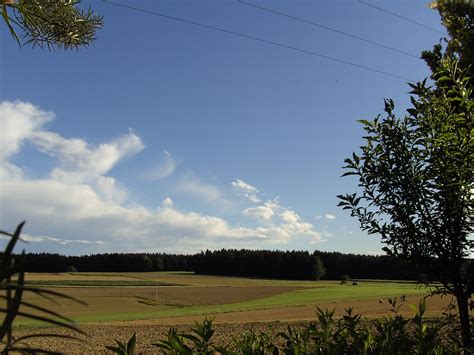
x=42 y=309
x=47 y=320
x=12 y=307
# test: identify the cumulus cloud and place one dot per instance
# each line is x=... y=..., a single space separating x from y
x=70 y=210
x=79 y=161
x=81 y=207
x=164 y=168
x=295 y=225
x=263 y=212
x=18 y=121
x=329 y=216
x=282 y=223
x=289 y=216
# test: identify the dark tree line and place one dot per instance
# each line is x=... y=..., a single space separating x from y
x=296 y=265
x=117 y=262
x=367 y=267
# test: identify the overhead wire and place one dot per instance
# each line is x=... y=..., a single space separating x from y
x=401 y=17
x=258 y=39
x=328 y=28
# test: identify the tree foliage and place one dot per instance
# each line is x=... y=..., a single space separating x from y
x=50 y=23
x=458 y=18
x=416 y=180
x=291 y=265
x=327 y=265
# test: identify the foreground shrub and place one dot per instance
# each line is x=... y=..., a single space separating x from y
x=349 y=334
x=12 y=291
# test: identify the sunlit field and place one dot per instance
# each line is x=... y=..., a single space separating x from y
x=179 y=298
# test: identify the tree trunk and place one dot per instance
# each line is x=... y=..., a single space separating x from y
x=463 y=308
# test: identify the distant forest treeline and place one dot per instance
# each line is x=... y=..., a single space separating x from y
x=298 y=265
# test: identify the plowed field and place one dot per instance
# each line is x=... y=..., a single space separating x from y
x=116 y=311
x=227 y=325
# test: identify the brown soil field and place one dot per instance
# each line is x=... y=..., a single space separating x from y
x=120 y=302
x=102 y=335
x=180 y=278
x=103 y=300
x=370 y=308
x=77 y=277
x=227 y=325
x=187 y=278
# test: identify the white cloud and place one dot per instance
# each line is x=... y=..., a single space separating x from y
x=10 y=171
x=252 y=198
x=80 y=204
x=263 y=212
x=167 y=202
x=294 y=225
x=289 y=216
x=79 y=161
x=107 y=188
x=249 y=192
x=36 y=239
x=18 y=120
x=71 y=210
x=286 y=227
x=273 y=204
x=163 y=169
x=329 y=216
x=242 y=185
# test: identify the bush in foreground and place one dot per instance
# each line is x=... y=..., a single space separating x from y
x=350 y=334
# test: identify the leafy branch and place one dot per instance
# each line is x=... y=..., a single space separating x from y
x=50 y=23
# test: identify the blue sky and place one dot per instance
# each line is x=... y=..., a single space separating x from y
x=166 y=136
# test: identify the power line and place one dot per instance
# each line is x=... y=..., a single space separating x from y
x=329 y=29
x=401 y=17
x=242 y=35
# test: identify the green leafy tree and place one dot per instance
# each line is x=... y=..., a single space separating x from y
x=51 y=23
x=416 y=180
x=458 y=18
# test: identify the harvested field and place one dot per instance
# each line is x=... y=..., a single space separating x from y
x=107 y=302
x=236 y=299
x=180 y=278
x=227 y=324
x=76 y=276
x=146 y=335
x=368 y=308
